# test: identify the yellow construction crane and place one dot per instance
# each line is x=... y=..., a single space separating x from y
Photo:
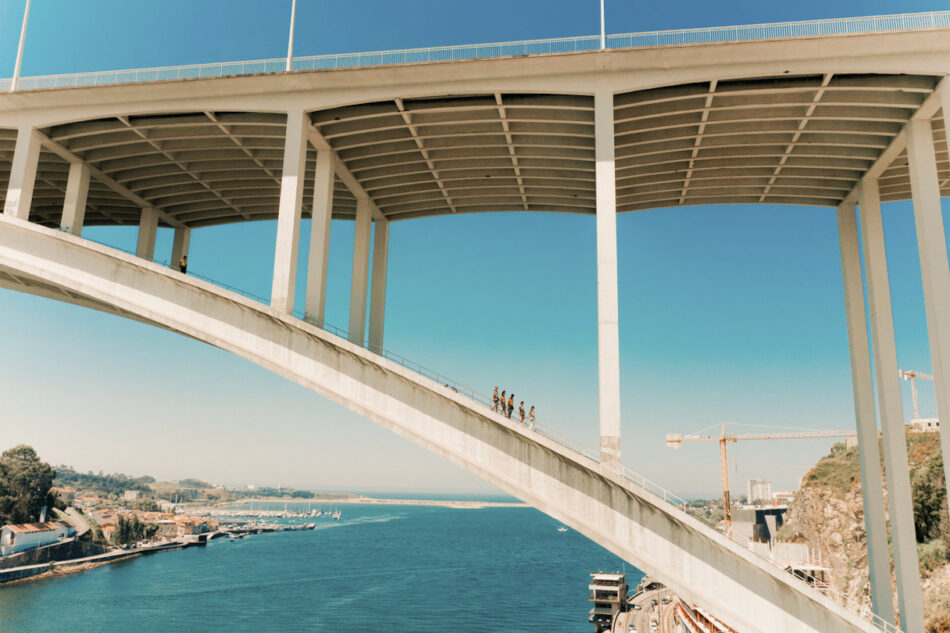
x=675 y=441
x=912 y=375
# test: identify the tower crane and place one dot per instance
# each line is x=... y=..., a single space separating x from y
x=675 y=441
x=912 y=375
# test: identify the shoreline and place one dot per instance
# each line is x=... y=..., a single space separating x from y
x=360 y=500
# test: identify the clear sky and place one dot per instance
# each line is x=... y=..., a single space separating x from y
x=728 y=313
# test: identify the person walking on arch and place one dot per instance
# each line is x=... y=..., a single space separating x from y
x=521 y=411
x=531 y=417
x=494 y=399
x=511 y=405
x=503 y=402
x=183 y=264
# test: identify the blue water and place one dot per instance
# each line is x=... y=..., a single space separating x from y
x=382 y=568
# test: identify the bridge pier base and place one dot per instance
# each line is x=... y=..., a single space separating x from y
x=148 y=228
x=74 y=206
x=932 y=248
x=872 y=490
x=288 y=212
x=315 y=304
x=360 y=276
x=26 y=159
x=903 y=537
x=377 y=306
x=608 y=335
x=180 y=243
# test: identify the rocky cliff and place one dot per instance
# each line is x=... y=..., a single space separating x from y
x=827 y=514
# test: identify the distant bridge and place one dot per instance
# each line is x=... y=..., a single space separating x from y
x=820 y=119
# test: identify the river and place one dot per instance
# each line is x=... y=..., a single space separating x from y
x=381 y=568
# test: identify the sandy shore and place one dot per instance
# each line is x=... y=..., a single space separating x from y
x=439 y=503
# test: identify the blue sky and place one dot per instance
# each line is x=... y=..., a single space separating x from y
x=727 y=313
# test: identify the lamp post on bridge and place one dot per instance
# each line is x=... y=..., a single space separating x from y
x=290 y=38
x=603 y=31
x=19 y=50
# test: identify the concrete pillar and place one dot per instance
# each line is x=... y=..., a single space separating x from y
x=315 y=304
x=74 y=206
x=148 y=228
x=360 y=272
x=377 y=306
x=932 y=249
x=26 y=159
x=879 y=563
x=180 y=243
x=608 y=335
x=903 y=538
x=288 y=211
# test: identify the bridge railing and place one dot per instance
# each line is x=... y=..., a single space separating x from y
x=675 y=37
x=482 y=399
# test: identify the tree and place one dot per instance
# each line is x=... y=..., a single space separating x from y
x=25 y=484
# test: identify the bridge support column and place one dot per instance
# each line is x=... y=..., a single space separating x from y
x=875 y=525
x=608 y=335
x=148 y=227
x=377 y=306
x=320 y=237
x=932 y=248
x=288 y=211
x=903 y=538
x=360 y=272
x=77 y=190
x=180 y=243
x=26 y=158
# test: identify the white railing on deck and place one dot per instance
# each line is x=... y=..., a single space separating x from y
x=779 y=30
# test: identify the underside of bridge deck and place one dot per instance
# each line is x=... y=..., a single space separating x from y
x=775 y=139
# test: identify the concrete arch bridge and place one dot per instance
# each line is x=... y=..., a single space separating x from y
x=838 y=120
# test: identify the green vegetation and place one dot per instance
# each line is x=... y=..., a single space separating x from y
x=709 y=511
x=129 y=531
x=109 y=486
x=840 y=471
x=194 y=483
x=25 y=484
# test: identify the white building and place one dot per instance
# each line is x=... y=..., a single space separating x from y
x=16 y=538
x=760 y=490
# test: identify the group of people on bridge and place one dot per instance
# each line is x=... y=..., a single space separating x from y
x=508 y=406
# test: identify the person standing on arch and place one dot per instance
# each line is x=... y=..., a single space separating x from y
x=494 y=399
x=521 y=411
x=511 y=405
x=183 y=264
x=531 y=417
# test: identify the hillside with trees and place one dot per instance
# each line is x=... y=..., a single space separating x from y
x=25 y=483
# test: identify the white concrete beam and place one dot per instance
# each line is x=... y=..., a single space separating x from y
x=343 y=172
x=109 y=182
x=903 y=538
x=320 y=214
x=897 y=145
x=608 y=333
x=180 y=243
x=26 y=158
x=74 y=205
x=932 y=248
x=148 y=228
x=288 y=213
x=872 y=491
x=377 y=306
x=360 y=272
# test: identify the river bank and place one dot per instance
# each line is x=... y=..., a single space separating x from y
x=435 y=503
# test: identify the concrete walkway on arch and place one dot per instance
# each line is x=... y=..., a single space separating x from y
x=695 y=561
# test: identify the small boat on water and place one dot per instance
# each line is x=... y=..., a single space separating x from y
x=562 y=529
x=337 y=514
